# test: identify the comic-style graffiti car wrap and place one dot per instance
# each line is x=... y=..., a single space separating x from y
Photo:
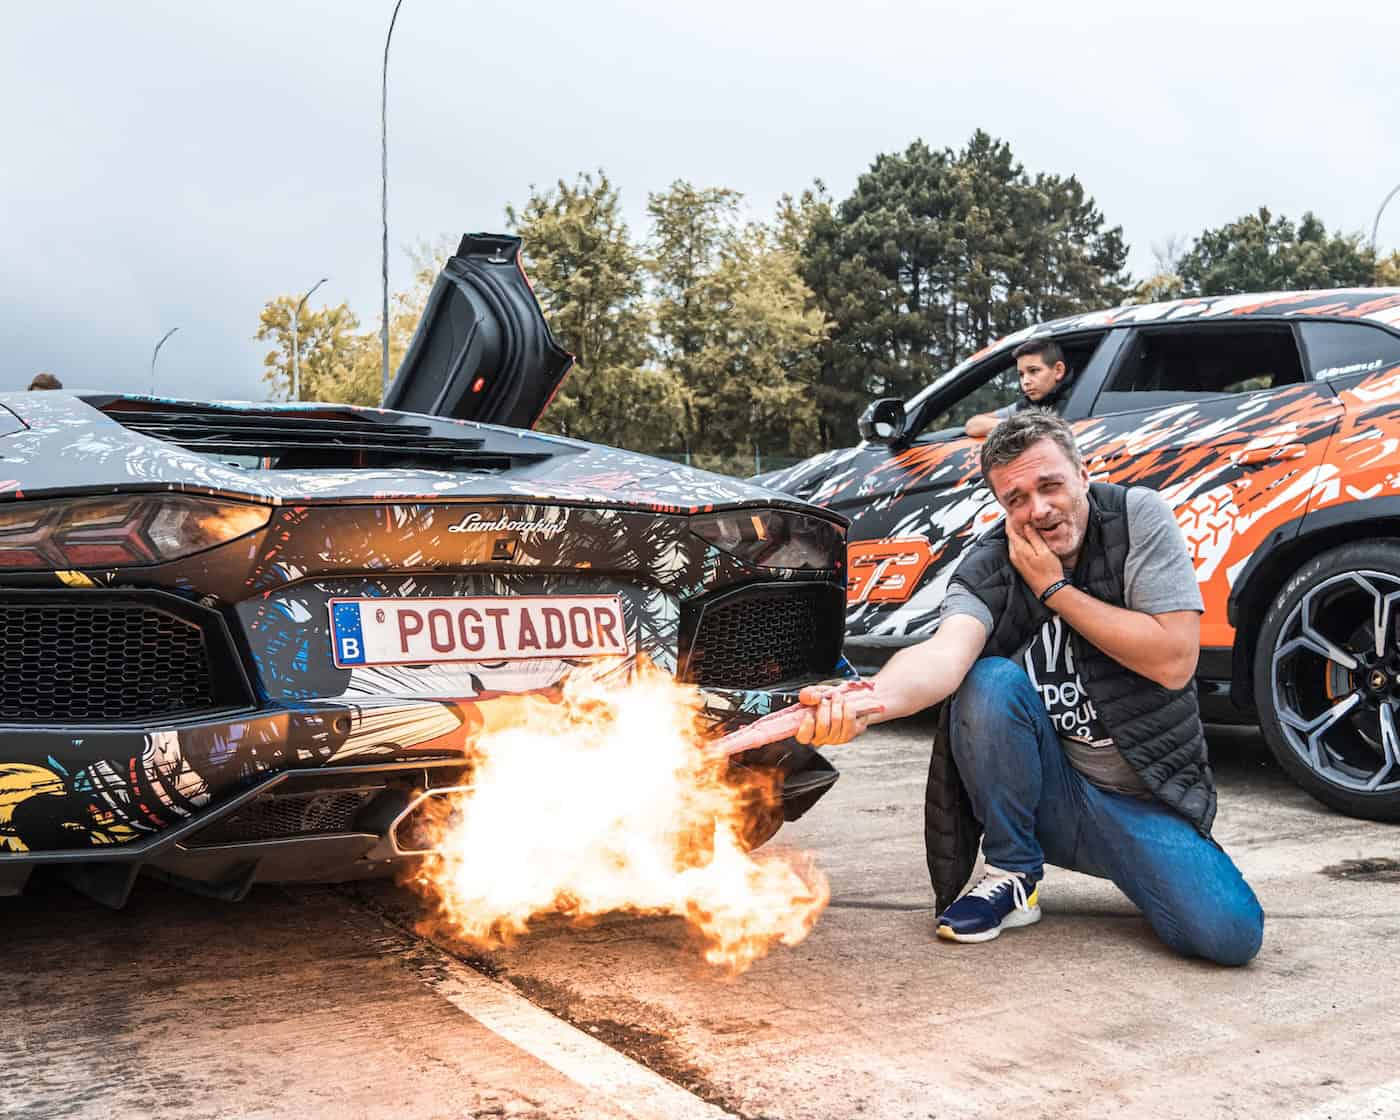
x=1271 y=423
x=242 y=643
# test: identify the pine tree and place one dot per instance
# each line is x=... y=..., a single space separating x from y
x=935 y=255
x=590 y=281
x=736 y=325
x=1261 y=253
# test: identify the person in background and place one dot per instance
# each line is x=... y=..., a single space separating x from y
x=1040 y=363
x=45 y=381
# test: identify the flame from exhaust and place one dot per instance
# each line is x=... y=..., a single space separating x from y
x=605 y=802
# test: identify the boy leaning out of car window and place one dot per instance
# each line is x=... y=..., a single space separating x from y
x=1040 y=364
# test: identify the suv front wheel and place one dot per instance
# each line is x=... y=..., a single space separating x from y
x=1327 y=678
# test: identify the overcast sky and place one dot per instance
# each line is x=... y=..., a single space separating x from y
x=179 y=163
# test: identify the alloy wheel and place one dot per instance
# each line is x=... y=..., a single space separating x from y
x=1335 y=676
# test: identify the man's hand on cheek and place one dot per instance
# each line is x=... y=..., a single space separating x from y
x=1032 y=558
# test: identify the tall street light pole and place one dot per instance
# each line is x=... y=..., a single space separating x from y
x=1376 y=225
x=384 y=200
x=156 y=351
x=296 y=339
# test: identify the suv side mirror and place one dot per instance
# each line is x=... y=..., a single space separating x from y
x=883 y=421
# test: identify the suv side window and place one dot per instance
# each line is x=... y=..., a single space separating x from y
x=1337 y=350
x=996 y=384
x=1002 y=387
x=1162 y=367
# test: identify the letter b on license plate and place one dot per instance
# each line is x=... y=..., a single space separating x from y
x=417 y=631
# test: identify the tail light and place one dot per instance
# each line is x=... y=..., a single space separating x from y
x=773 y=538
x=119 y=532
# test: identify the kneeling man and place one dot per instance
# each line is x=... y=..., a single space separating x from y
x=1068 y=643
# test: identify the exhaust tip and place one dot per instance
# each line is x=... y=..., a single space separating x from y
x=419 y=827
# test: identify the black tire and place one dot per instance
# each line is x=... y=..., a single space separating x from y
x=1329 y=704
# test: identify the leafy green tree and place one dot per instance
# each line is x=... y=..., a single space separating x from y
x=938 y=253
x=690 y=228
x=1157 y=288
x=1388 y=271
x=590 y=281
x=1164 y=282
x=363 y=381
x=339 y=362
x=1262 y=253
x=752 y=373
x=798 y=215
x=736 y=324
x=805 y=228
x=327 y=341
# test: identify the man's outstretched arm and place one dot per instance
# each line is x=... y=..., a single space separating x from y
x=913 y=679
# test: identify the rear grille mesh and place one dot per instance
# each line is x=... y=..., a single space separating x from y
x=278 y=817
x=759 y=639
x=79 y=662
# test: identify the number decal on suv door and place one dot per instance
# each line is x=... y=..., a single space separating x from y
x=886 y=571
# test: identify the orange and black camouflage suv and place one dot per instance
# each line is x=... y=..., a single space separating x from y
x=1270 y=422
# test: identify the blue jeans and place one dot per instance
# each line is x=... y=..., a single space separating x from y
x=1036 y=808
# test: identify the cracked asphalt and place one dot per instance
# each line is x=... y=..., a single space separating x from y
x=324 y=1002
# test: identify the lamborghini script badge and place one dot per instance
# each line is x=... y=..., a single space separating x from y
x=475 y=523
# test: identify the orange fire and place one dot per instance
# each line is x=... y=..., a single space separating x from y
x=606 y=802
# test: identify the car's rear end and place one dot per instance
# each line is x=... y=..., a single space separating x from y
x=243 y=643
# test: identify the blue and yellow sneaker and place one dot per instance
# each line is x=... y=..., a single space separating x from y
x=999 y=901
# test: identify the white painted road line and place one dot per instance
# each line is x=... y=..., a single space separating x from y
x=1380 y=1103
x=579 y=1056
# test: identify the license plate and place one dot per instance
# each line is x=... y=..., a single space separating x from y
x=416 y=631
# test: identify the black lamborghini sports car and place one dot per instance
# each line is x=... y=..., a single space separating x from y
x=245 y=642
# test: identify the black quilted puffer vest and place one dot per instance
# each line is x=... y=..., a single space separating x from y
x=1157 y=730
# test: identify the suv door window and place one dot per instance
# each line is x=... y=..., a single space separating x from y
x=996 y=384
x=1337 y=350
x=1001 y=387
x=1175 y=365
x=1217 y=419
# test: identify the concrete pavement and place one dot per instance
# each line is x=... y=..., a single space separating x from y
x=318 y=1002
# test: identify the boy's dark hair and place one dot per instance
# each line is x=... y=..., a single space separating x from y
x=1013 y=436
x=1047 y=348
x=45 y=381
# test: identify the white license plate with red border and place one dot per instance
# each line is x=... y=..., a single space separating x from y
x=417 y=631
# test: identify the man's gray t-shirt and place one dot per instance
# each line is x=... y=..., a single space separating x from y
x=1158 y=577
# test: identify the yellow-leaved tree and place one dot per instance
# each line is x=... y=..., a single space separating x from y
x=338 y=360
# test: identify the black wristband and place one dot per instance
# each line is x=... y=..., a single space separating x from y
x=1056 y=586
